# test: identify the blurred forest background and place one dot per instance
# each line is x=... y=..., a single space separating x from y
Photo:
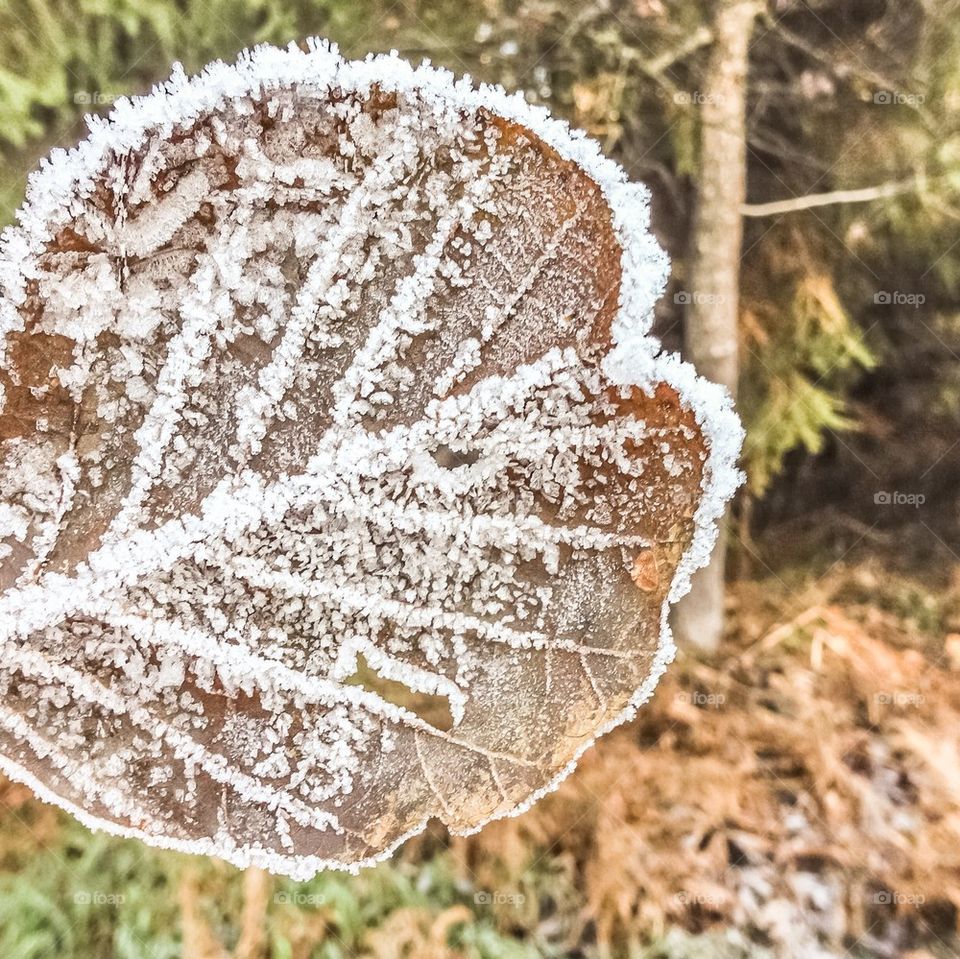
x=795 y=792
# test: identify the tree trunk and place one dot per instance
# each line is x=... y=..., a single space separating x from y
x=713 y=289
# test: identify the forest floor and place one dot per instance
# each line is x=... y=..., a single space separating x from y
x=796 y=796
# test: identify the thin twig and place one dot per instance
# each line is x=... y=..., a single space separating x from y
x=863 y=195
x=198 y=940
x=657 y=66
x=253 y=933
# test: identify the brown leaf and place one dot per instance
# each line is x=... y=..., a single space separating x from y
x=322 y=384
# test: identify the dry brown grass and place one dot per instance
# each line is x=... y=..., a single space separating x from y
x=805 y=788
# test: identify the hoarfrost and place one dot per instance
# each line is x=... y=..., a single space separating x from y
x=320 y=376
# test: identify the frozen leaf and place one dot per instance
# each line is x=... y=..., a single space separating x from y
x=341 y=485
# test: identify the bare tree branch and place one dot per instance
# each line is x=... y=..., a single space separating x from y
x=657 y=66
x=863 y=195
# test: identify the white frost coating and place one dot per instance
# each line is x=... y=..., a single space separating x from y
x=366 y=491
x=165 y=218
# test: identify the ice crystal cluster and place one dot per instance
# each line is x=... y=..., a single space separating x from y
x=315 y=370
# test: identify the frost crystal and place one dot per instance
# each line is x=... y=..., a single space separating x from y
x=315 y=371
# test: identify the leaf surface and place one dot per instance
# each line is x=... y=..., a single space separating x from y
x=306 y=393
